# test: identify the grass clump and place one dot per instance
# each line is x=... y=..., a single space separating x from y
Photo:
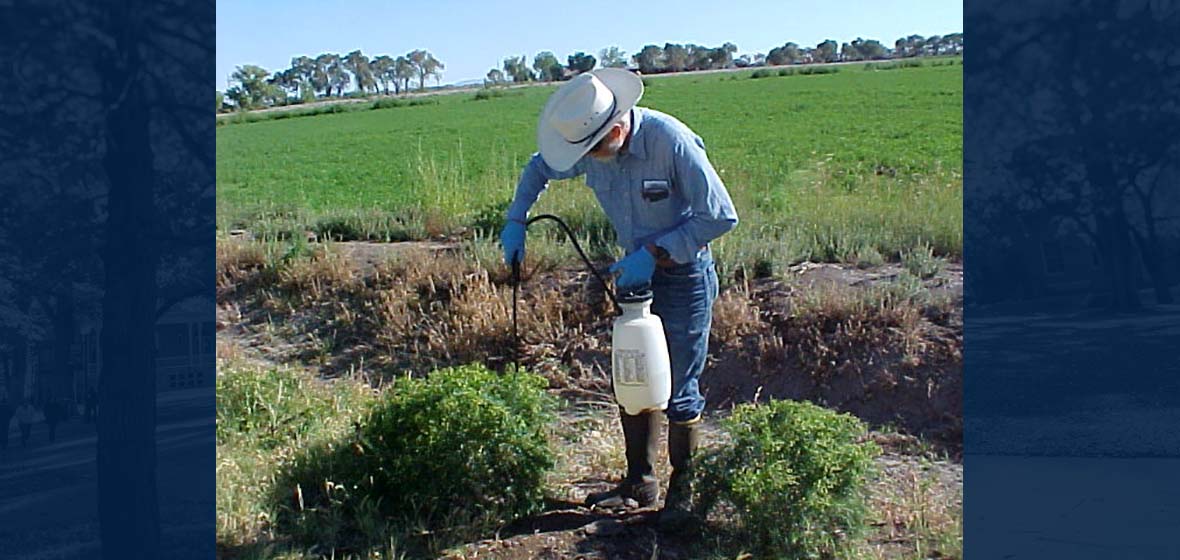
x=792 y=478
x=921 y=262
x=264 y=417
x=269 y=407
x=448 y=456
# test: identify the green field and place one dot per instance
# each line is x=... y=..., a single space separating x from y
x=859 y=164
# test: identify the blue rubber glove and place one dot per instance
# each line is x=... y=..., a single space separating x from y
x=512 y=238
x=637 y=270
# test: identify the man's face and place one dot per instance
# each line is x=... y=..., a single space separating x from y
x=607 y=148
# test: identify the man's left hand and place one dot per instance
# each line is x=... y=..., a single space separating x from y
x=636 y=268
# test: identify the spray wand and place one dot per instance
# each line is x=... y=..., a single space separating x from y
x=516 y=265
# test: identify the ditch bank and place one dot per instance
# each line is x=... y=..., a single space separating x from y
x=881 y=342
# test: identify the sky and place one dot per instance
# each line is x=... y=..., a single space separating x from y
x=471 y=38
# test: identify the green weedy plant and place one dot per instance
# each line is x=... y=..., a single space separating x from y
x=464 y=439
x=920 y=261
x=274 y=407
x=463 y=450
x=792 y=479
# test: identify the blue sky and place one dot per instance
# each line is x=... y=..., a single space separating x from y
x=473 y=37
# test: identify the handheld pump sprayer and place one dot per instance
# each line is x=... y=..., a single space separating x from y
x=641 y=372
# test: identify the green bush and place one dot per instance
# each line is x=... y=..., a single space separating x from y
x=819 y=70
x=786 y=72
x=422 y=101
x=764 y=73
x=793 y=479
x=387 y=103
x=463 y=449
x=485 y=94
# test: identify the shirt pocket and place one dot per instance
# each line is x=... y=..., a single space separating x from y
x=657 y=203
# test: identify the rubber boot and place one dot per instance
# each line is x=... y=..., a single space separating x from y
x=640 y=488
x=683 y=439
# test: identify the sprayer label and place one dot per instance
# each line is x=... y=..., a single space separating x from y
x=630 y=367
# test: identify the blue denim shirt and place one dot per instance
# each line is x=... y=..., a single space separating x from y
x=662 y=190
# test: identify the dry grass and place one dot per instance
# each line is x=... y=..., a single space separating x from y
x=416 y=312
x=830 y=329
x=917 y=513
x=422 y=310
x=736 y=316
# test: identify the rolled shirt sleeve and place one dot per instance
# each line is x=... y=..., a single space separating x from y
x=533 y=181
x=711 y=214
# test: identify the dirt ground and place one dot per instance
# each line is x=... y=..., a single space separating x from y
x=913 y=403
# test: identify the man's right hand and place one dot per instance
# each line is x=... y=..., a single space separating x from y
x=512 y=239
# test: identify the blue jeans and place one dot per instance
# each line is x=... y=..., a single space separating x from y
x=682 y=296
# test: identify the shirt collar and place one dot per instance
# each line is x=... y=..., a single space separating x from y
x=636 y=146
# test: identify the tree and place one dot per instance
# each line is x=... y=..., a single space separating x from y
x=338 y=76
x=494 y=78
x=547 y=68
x=382 y=70
x=649 y=59
x=786 y=54
x=580 y=62
x=220 y=101
x=518 y=69
x=304 y=70
x=723 y=55
x=826 y=51
x=1096 y=149
x=612 y=57
x=933 y=46
x=675 y=57
x=870 y=49
x=321 y=76
x=252 y=89
x=849 y=52
x=908 y=46
x=281 y=83
x=403 y=70
x=953 y=43
x=699 y=58
x=121 y=102
x=357 y=63
x=425 y=65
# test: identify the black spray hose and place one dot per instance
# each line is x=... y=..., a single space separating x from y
x=516 y=279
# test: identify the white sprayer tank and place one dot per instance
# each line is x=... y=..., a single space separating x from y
x=640 y=367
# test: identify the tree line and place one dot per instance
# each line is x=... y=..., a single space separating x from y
x=327 y=75
x=672 y=57
x=310 y=78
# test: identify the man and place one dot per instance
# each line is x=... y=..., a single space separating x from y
x=666 y=203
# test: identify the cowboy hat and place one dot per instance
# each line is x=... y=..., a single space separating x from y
x=582 y=111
